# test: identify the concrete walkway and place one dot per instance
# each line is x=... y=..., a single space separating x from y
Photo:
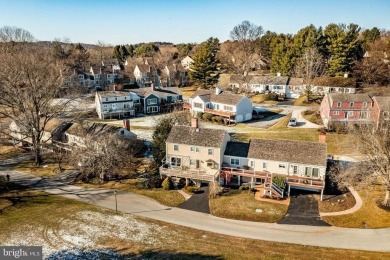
x=346 y=238
x=358 y=205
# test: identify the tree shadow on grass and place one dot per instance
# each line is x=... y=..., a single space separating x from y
x=78 y=254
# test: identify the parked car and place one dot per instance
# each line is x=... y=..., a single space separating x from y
x=292 y=122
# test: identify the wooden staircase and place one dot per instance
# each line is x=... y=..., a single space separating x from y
x=272 y=190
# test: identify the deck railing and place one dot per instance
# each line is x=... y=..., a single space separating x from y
x=189 y=173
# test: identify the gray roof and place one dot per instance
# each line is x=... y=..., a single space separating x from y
x=343 y=97
x=201 y=137
x=223 y=98
x=295 y=81
x=383 y=102
x=237 y=149
x=264 y=80
x=288 y=151
x=159 y=92
x=86 y=127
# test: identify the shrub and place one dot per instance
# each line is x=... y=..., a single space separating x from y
x=199 y=115
x=167 y=184
x=214 y=119
x=207 y=116
x=271 y=96
x=191 y=189
x=280 y=181
x=141 y=184
x=219 y=119
x=154 y=182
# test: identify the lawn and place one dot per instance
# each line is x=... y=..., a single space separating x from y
x=337 y=203
x=259 y=98
x=170 y=198
x=49 y=168
x=39 y=220
x=302 y=101
x=8 y=151
x=188 y=91
x=312 y=116
x=242 y=205
x=371 y=212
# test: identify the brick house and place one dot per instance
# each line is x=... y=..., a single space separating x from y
x=345 y=108
x=380 y=109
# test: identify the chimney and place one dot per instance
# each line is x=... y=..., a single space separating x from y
x=322 y=137
x=126 y=124
x=194 y=123
x=345 y=75
x=278 y=74
x=218 y=91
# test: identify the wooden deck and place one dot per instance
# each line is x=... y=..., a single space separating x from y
x=191 y=174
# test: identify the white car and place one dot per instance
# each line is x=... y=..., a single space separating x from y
x=292 y=122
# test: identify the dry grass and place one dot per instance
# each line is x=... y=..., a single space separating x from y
x=342 y=144
x=302 y=101
x=259 y=98
x=9 y=151
x=371 y=212
x=188 y=91
x=312 y=116
x=242 y=205
x=49 y=168
x=177 y=242
x=170 y=198
x=336 y=203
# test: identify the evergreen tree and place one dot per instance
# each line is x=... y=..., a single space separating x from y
x=131 y=50
x=205 y=69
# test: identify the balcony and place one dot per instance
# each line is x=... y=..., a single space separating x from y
x=219 y=112
x=189 y=173
x=187 y=106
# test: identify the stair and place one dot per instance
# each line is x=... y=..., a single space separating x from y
x=271 y=189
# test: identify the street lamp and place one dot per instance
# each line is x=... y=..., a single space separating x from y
x=116 y=203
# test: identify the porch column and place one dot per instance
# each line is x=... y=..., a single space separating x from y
x=238 y=177
x=289 y=189
x=322 y=193
x=252 y=182
x=187 y=182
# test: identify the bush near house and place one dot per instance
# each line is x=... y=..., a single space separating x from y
x=167 y=184
x=191 y=189
x=199 y=115
x=280 y=181
x=207 y=116
x=272 y=96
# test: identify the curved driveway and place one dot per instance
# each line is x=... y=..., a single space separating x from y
x=360 y=239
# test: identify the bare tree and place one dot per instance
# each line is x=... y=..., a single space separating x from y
x=105 y=156
x=241 y=53
x=29 y=82
x=15 y=34
x=374 y=143
x=310 y=65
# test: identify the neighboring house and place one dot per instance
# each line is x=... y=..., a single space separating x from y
x=295 y=88
x=192 y=152
x=103 y=76
x=146 y=75
x=208 y=154
x=345 y=108
x=155 y=99
x=117 y=104
x=380 y=109
x=324 y=85
x=176 y=75
x=234 y=107
x=53 y=131
x=76 y=134
x=261 y=84
x=186 y=62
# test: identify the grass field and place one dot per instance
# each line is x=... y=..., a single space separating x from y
x=7 y=151
x=312 y=116
x=38 y=220
x=302 y=101
x=242 y=205
x=170 y=198
x=371 y=212
x=49 y=168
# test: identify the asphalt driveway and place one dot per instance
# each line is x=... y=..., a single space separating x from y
x=199 y=201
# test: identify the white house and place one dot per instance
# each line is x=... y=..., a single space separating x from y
x=262 y=84
x=146 y=75
x=236 y=108
x=186 y=62
x=114 y=104
x=176 y=75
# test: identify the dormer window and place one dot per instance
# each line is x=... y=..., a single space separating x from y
x=350 y=104
x=338 y=104
x=364 y=104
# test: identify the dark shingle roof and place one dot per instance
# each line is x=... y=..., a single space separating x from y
x=343 y=97
x=237 y=149
x=113 y=94
x=81 y=129
x=334 y=82
x=159 y=92
x=288 y=151
x=295 y=82
x=201 y=137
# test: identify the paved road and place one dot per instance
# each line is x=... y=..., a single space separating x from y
x=362 y=239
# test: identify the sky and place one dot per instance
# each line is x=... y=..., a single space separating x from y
x=177 y=21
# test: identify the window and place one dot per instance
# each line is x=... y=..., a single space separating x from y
x=116 y=98
x=197 y=149
x=295 y=169
x=152 y=109
x=312 y=172
x=217 y=106
x=192 y=148
x=338 y=104
x=281 y=165
x=106 y=99
x=350 y=113
x=363 y=115
x=252 y=164
x=104 y=105
x=351 y=104
x=336 y=113
x=192 y=162
x=228 y=108
x=364 y=104
x=176 y=147
x=198 y=105
x=234 y=161
x=264 y=165
x=126 y=105
x=176 y=161
x=152 y=101
x=210 y=151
